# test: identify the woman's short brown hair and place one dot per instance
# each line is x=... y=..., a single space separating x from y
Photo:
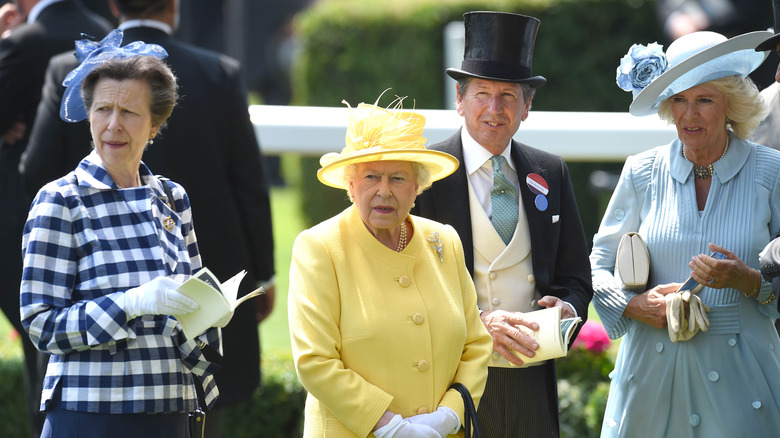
x=154 y=71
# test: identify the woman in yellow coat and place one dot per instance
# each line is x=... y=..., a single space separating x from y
x=383 y=313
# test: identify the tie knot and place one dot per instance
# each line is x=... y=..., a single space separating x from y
x=498 y=164
x=500 y=182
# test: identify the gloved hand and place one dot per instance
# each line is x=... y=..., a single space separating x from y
x=157 y=297
x=401 y=428
x=444 y=421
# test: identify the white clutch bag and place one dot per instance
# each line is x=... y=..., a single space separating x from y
x=632 y=265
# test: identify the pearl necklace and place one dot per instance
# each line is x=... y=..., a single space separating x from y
x=137 y=181
x=703 y=172
x=402 y=238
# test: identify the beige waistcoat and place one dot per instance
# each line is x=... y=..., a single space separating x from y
x=503 y=274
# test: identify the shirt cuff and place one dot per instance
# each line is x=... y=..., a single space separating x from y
x=576 y=315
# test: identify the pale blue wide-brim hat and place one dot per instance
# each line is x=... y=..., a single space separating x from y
x=697 y=58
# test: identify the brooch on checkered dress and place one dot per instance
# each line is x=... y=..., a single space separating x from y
x=168 y=223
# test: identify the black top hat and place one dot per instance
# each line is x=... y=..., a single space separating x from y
x=499 y=47
x=771 y=42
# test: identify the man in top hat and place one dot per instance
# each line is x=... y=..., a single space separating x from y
x=768 y=132
x=514 y=209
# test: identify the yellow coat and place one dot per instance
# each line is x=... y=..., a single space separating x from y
x=373 y=329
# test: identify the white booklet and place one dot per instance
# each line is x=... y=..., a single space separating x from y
x=553 y=335
x=216 y=300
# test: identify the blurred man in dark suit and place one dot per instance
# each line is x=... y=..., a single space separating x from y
x=727 y=17
x=209 y=146
x=768 y=132
x=51 y=26
x=259 y=34
x=10 y=17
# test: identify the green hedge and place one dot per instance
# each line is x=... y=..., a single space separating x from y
x=354 y=49
x=275 y=409
x=13 y=410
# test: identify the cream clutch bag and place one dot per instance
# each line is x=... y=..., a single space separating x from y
x=632 y=265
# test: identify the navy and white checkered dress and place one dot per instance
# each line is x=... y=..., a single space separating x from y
x=85 y=243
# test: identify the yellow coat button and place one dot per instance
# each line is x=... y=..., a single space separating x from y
x=404 y=281
x=531 y=278
x=422 y=410
x=493 y=275
x=418 y=318
x=422 y=365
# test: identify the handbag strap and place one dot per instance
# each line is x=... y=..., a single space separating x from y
x=470 y=412
x=197 y=418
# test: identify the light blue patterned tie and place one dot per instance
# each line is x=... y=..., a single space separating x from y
x=504 y=201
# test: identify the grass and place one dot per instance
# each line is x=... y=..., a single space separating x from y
x=10 y=343
x=274 y=331
x=287 y=223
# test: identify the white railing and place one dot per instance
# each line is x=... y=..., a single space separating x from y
x=576 y=136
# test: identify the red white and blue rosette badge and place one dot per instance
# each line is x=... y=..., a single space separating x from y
x=91 y=54
x=538 y=187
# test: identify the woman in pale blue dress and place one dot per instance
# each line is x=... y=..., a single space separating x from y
x=708 y=190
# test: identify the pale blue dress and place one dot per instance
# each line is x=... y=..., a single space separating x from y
x=722 y=383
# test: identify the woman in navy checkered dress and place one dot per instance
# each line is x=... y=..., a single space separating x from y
x=105 y=248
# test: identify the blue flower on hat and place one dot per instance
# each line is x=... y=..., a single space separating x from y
x=91 y=54
x=640 y=66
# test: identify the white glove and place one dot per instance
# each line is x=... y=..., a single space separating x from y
x=698 y=312
x=444 y=421
x=683 y=327
x=676 y=322
x=402 y=428
x=157 y=297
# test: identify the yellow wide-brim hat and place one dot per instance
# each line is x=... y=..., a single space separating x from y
x=379 y=134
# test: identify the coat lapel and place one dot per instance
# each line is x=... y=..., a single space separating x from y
x=450 y=198
x=539 y=222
